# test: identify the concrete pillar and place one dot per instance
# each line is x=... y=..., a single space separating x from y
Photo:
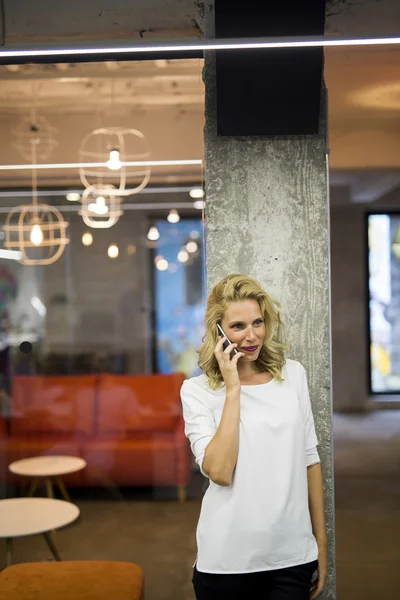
x=267 y=216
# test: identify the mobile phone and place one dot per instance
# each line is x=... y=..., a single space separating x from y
x=227 y=341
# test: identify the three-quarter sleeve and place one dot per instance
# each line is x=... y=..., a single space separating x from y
x=305 y=405
x=312 y=457
x=200 y=426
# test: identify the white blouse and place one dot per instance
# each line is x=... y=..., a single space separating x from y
x=261 y=521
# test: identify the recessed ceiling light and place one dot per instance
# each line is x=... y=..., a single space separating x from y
x=199 y=204
x=73 y=196
x=87 y=239
x=72 y=79
x=113 y=251
x=161 y=63
x=196 y=193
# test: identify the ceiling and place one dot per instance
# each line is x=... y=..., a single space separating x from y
x=165 y=100
x=106 y=87
x=162 y=99
x=364 y=107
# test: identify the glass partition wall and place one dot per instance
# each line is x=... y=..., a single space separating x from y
x=102 y=303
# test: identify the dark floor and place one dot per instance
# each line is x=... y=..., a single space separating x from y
x=367 y=495
x=158 y=533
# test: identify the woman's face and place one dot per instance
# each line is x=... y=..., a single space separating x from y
x=244 y=325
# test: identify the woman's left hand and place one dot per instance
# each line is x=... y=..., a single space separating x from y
x=319 y=584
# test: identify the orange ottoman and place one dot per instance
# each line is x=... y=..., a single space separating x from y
x=80 y=580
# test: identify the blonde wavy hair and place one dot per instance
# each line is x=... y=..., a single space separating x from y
x=235 y=288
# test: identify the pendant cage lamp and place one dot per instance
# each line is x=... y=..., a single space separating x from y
x=37 y=231
x=43 y=137
x=114 y=146
x=100 y=209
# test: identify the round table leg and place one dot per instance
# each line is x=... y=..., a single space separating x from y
x=52 y=546
x=33 y=488
x=63 y=489
x=9 y=545
x=49 y=488
x=50 y=494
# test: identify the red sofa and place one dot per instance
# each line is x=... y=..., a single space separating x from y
x=129 y=429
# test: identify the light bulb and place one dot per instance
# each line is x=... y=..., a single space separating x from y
x=199 y=204
x=36 y=235
x=87 y=239
x=162 y=264
x=191 y=246
x=99 y=207
x=73 y=196
x=183 y=256
x=196 y=193
x=114 y=162
x=113 y=251
x=153 y=234
x=173 y=216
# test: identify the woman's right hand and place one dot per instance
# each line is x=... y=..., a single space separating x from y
x=228 y=365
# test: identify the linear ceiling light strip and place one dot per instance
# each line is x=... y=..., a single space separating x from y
x=195 y=46
x=47 y=192
x=150 y=163
x=128 y=206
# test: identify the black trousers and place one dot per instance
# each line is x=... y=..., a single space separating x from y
x=292 y=583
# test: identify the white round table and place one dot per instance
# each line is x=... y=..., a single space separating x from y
x=47 y=468
x=31 y=516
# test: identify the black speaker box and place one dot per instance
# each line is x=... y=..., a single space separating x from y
x=271 y=92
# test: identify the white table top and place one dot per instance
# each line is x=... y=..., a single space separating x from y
x=28 y=516
x=47 y=466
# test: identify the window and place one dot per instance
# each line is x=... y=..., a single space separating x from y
x=384 y=302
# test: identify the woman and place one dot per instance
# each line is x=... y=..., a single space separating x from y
x=261 y=532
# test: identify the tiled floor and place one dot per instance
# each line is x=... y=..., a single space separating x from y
x=160 y=534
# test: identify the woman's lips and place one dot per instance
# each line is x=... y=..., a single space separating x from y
x=250 y=348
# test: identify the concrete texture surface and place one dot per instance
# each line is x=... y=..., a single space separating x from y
x=33 y=21
x=267 y=217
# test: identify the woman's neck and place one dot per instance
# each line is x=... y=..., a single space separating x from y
x=248 y=371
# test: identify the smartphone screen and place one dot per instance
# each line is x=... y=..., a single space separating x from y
x=227 y=341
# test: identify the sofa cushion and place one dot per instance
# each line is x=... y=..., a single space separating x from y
x=53 y=404
x=80 y=580
x=131 y=403
x=145 y=460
